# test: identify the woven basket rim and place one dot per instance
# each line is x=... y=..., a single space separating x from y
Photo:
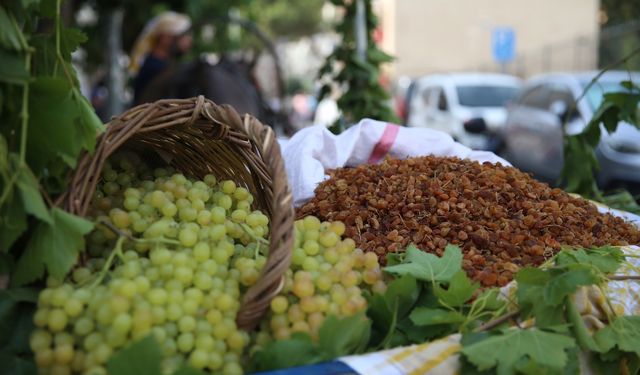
x=205 y=137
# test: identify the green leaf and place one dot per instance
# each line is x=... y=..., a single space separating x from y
x=9 y=34
x=139 y=358
x=417 y=334
x=623 y=333
x=531 y=305
x=60 y=125
x=54 y=246
x=629 y=85
x=573 y=362
x=6 y=263
x=377 y=56
x=566 y=283
x=21 y=294
x=506 y=350
x=489 y=300
x=394 y=258
x=31 y=197
x=48 y=8
x=554 y=284
x=402 y=294
x=94 y=125
x=428 y=267
x=424 y=316
x=338 y=337
x=541 y=293
x=580 y=332
x=607 y=259
x=12 y=69
x=70 y=39
x=16 y=365
x=13 y=222
x=16 y=320
x=627 y=105
x=386 y=310
x=280 y=354
x=534 y=276
x=460 y=290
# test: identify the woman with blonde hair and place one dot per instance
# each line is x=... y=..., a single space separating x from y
x=164 y=38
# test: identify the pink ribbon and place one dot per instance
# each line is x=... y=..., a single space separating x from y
x=385 y=143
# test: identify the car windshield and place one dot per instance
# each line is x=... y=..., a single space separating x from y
x=595 y=93
x=485 y=95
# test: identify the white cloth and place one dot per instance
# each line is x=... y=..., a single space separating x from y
x=311 y=151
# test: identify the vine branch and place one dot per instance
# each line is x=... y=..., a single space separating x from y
x=595 y=79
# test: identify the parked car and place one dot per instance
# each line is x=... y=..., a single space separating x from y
x=533 y=134
x=445 y=101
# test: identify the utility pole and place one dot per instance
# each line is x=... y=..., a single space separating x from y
x=115 y=81
x=360 y=26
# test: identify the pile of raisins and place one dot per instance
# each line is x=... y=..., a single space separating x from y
x=502 y=218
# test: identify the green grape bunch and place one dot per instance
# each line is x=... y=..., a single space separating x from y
x=171 y=257
x=328 y=276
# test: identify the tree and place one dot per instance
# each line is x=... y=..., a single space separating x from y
x=620 y=31
x=358 y=74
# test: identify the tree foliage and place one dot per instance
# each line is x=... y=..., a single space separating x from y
x=362 y=94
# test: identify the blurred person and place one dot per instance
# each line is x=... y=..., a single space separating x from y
x=163 y=40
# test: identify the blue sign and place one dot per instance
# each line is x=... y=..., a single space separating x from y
x=503 y=44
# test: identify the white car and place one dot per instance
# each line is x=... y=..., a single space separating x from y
x=446 y=101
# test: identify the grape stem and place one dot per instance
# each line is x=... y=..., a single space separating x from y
x=105 y=269
x=128 y=236
x=496 y=322
x=623 y=277
x=252 y=234
x=115 y=229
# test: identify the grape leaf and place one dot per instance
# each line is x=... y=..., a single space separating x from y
x=428 y=267
x=94 y=125
x=13 y=222
x=607 y=258
x=70 y=40
x=489 y=300
x=623 y=333
x=16 y=365
x=54 y=246
x=401 y=295
x=565 y=283
x=142 y=357
x=338 y=337
x=48 y=8
x=296 y=351
x=505 y=350
x=31 y=197
x=61 y=126
x=419 y=334
x=460 y=290
x=424 y=316
x=9 y=35
x=16 y=323
x=627 y=105
x=469 y=339
x=573 y=362
x=541 y=293
x=628 y=84
x=12 y=69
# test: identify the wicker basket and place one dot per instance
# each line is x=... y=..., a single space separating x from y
x=198 y=137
